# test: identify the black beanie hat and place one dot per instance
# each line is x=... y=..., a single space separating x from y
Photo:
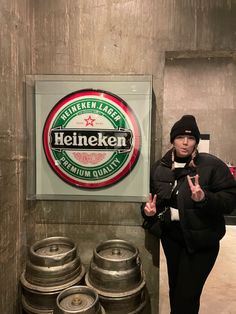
x=187 y=125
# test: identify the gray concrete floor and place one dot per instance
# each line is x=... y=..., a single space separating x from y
x=219 y=293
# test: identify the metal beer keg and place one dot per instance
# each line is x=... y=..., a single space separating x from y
x=116 y=274
x=78 y=299
x=53 y=265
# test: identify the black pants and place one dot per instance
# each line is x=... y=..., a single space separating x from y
x=187 y=272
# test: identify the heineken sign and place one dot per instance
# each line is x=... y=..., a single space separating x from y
x=91 y=139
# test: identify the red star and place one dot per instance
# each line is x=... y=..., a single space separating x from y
x=89 y=121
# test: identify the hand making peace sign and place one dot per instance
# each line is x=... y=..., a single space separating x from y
x=197 y=193
x=150 y=207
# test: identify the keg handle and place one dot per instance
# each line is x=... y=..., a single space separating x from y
x=76 y=300
x=116 y=251
x=138 y=261
x=53 y=248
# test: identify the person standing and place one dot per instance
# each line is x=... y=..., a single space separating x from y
x=190 y=192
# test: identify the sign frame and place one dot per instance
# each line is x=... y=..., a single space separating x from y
x=44 y=92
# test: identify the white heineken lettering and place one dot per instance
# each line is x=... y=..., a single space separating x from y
x=92 y=141
x=82 y=140
x=68 y=140
x=79 y=106
x=95 y=174
x=65 y=115
x=102 y=140
x=112 y=140
x=111 y=112
x=73 y=169
x=63 y=139
x=59 y=138
x=106 y=170
x=89 y=105
x=73 y=109
x=115 y=162
x=74 y=138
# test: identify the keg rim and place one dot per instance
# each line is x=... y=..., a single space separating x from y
x=123 y=244
x=42 y=260
x=117 y=294
x=78 y=289
x=50 y=290
x=139 y=308
x=31 y=309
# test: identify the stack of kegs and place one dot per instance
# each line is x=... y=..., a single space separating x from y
x=116 y=274
x=53 y=280
x=53 y=266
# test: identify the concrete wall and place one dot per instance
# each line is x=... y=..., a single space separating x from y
x=204 y=87
x=90 y=37
x=14 y=63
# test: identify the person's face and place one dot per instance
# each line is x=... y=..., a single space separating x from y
x=184 y=145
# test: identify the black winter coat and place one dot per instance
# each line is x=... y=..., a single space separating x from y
x=203 y=222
